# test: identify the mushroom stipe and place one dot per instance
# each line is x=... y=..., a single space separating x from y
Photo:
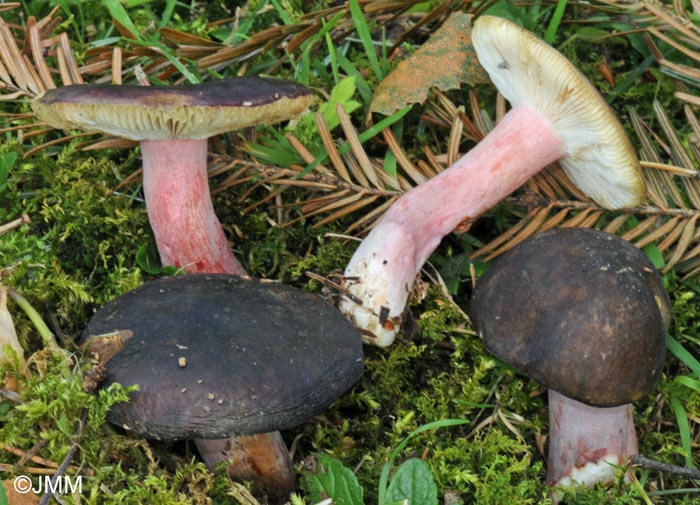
x=556 y=115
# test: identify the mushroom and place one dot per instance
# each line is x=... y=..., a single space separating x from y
x=173 y=124
x=556 y=114
x=584 y=313
x=220 y=355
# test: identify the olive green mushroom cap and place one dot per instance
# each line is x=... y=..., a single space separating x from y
x=193 y=111
x=581 y=311
x=600 y=159
x=216 y=355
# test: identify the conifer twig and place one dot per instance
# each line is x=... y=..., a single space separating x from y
x=65 y=464
x=652 y=464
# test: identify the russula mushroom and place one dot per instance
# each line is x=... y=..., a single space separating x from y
x=584 y=313
x=173 y=124
x=556 y=114
x=259 y=357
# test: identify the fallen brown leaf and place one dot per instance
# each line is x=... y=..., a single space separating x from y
x=445 y=61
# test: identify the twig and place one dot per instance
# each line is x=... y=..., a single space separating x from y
x=16 y=223
x=10 y=395
x=66 y=461
x=652 y=464
x=5 y=467
x=530 y=201
x=334 y=286
x=30 y=455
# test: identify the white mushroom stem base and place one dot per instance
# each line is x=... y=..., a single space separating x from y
x=380 y=274
x=262 y=459
x=587 y=443
x=178 y=200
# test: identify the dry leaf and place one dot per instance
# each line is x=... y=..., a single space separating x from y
x=445 y=61
x=18 y=498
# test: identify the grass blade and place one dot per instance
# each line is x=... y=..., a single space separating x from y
x=683 y=430
x=358 y=17
x=683 y=354
x=364 y=136
x=555 y=21
x=117 y=11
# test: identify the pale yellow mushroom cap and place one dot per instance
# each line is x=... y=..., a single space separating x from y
x=600 y=159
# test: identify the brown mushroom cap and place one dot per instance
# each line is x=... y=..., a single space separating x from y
x=578 y=310
x=193 y=111
x=221 y=355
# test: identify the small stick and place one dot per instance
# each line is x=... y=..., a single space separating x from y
x=16 y=223
x=334 y=286
x=652 y=464
x=30 y=455
x=4 y=467
x=65 y=464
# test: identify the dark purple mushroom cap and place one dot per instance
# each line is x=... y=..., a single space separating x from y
x=581 y=311
x=216 y=355
x=193 y=111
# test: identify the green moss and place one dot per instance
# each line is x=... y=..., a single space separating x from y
x=79 y=250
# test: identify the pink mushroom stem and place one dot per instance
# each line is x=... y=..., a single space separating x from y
x=178 y=200
x=382 y=270
x=585 y=443
x=189 y=236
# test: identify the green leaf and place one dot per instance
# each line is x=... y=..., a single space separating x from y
x=118 y=12
x=167 y=13
x=62 y=424
x=655 y=255
x=508 y=10
x=147 y=258
x=342 y=93
x=413 y=481
x=4 y=500
x=173 y=58
x=7 y=161
x=333 y=480
x=384 y=475
x=591 y=34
